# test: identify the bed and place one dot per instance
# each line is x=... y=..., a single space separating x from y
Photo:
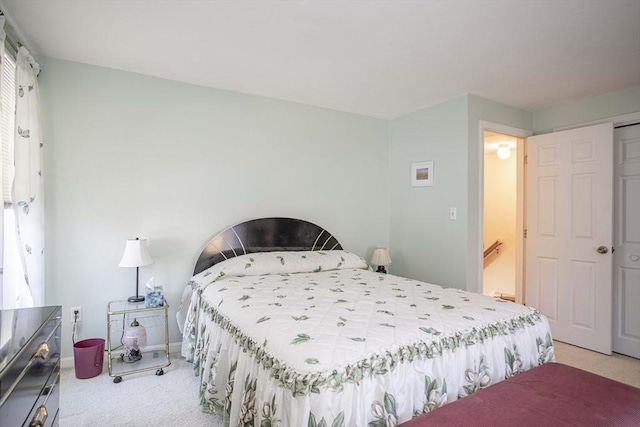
x=284 y=327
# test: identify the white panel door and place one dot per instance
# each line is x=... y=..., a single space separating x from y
x=626 y=259
x=569 y=221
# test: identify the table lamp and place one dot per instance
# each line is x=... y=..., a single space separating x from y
x=381 y=259
x=134 y=338
x=136 y=255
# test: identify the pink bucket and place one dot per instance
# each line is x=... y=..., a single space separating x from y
x=88 y=357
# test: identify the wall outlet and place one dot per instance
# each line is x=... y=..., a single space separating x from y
x=76 y=317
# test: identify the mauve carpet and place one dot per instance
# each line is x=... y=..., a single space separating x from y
x=553 y=394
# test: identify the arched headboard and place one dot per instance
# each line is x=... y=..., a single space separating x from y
x=265 y=235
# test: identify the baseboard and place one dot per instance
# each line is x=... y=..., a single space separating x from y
x=174 y=347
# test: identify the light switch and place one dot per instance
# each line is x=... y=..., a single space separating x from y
x=453 y=213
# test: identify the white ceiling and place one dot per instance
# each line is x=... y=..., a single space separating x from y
x=377 y=58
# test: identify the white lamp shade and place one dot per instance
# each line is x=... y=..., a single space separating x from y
x=136 y=254
x=503 y=152
x=381 y=257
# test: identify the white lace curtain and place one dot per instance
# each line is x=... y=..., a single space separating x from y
x=28 y=186
x=22 y=216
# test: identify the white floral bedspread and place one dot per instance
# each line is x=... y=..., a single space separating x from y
x=349 y=347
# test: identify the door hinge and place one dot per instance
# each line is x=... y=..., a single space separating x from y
x=526 y=159
x=525 y=233
x=613 y=249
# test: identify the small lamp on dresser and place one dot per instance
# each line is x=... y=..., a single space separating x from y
x=381 y=259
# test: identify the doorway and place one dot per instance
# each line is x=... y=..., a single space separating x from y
x=502 y=217
x=515 y=138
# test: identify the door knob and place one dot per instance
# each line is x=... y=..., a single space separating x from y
x=603 y=250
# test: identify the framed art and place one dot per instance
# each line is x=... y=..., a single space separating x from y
x=422 y=174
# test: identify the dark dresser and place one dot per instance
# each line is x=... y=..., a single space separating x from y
x=30 y=366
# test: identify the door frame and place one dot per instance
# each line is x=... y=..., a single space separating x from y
x=521 y=135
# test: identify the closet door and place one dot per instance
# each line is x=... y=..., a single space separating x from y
x=626 y=285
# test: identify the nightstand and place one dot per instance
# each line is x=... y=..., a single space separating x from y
x=121 y=315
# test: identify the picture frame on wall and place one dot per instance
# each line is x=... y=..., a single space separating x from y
x=422 y=174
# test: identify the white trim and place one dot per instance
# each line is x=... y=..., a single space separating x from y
x=521 y=169
x=624 y=119
x=521 y=134
x=498 y=128
x=174 y=347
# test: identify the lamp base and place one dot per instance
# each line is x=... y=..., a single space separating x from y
x=381 y=269
x=136 y=299
x=132 y=356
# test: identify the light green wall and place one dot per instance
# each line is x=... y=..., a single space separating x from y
x=129 y=155
x=595 y=108
x=424 y=243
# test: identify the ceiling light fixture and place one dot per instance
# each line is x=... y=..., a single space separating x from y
x=503 y=152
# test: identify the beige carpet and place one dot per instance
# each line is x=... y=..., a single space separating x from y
x=140 y=400
x=145 y=399
x=617 y=367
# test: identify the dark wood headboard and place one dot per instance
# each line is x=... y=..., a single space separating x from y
x=265 y=235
